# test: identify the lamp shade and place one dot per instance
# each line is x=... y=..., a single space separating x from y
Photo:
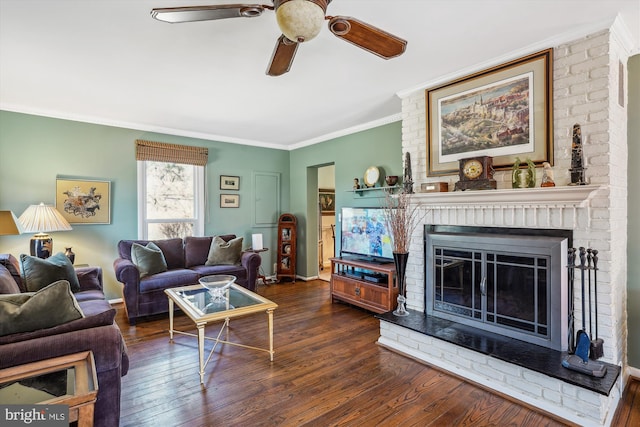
x=9 y=224
x=256 y=242
x=300 y=20
x=43 y=218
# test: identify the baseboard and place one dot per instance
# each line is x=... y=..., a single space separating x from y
x=633 y=372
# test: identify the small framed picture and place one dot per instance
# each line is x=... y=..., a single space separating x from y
x=327 y=201
x=229 y=182
x=229 y=200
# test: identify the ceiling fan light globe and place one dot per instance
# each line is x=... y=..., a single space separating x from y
x=300 y=20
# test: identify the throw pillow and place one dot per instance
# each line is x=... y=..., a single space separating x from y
x=149 y=259
x=224 y=253
x=39 y=272
x=7 y=284
x=50 y=306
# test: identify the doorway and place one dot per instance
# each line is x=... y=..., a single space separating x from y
x=326 y=220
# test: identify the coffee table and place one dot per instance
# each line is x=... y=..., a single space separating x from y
x=204 y=305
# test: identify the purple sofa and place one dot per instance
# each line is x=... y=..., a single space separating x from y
x=96 y=331
x=186 y=264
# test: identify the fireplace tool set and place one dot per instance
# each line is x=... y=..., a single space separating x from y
x=586 y=349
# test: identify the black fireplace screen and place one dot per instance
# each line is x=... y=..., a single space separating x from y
x=512 y=285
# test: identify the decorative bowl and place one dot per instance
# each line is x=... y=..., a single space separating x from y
x=217 y=284
x=391 y=180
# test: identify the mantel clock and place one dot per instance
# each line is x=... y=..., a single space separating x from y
x=476 y=173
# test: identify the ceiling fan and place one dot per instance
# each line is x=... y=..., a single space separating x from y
x=299 y=21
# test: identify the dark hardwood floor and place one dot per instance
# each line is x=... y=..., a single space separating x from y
x=327 y=371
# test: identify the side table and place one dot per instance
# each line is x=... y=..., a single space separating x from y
x=66 y=380
x=260 y=275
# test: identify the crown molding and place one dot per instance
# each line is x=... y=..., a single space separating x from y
x=348 y=131
x=197 y=135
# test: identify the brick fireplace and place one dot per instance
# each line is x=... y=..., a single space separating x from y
x=586 y=91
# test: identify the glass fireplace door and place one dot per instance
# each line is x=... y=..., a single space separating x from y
x=499 y=289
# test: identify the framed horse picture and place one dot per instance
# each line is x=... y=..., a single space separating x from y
x=84 y=201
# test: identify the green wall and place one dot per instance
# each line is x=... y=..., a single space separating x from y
x=35 y=150
x=633 y=259
x=351 y=155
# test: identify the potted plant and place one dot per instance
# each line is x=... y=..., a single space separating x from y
x=401 y=218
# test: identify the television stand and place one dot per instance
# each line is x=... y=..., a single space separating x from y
x=370 y=285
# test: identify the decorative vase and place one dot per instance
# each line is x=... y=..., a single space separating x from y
x=69 y=254
x=400 y=261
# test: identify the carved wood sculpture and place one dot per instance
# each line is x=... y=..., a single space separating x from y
x=577 y=160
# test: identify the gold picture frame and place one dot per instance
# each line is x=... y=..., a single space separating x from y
x=503 y=112
x=83 y=201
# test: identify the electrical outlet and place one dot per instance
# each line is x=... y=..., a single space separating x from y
x=275 y=268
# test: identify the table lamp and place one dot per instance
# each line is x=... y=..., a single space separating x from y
x=9 y=224
x=41 y=219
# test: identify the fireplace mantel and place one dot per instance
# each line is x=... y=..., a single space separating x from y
x=568 y=196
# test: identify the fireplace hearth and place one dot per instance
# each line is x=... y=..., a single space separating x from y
x=530 y=356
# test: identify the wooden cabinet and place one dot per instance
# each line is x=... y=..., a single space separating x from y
x=368 y=285
x=287 y=237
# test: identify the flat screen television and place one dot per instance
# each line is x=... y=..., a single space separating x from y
x=364 y=235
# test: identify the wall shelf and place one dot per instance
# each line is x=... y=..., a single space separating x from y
x=370 y=190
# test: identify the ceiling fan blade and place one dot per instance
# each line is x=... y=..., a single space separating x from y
x=282 y=57
x=367 y=37
x=207 y=13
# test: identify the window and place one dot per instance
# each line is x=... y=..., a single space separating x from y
x=171 y=196
x=171 y=200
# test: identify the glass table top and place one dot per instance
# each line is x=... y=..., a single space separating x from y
x=39 y=388
x=217 y=299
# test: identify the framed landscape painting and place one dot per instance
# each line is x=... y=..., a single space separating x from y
x=84 y=201
x=503 y=112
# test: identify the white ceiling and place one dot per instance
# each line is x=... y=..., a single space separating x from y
x=109 y=62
